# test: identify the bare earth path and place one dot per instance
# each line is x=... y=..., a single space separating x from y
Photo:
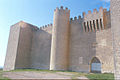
x=41 y=75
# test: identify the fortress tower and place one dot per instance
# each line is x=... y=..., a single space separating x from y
x=115 y=23
x=60 y=40
x=19 y=46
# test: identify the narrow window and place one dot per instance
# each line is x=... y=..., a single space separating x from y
x=97 y=24
x=91 y=25
x=85 y=26
x=101 y=23
x=94 y=25
x=88 y=26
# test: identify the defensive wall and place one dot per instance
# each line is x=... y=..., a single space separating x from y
x=90 y=36
x=115 y=22
x=74 y=41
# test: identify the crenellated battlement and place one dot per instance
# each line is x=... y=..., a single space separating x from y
x=46 y=26
x=90 y=14
x=66 y=10
x=79 y=18
x=95 y=11
x=94 y=20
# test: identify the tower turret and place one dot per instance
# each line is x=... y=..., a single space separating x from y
x=60 y=40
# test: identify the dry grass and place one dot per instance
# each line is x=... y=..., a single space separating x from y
x=91 y=76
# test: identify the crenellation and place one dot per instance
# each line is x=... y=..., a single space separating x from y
x=99 y=20
x=83 y=14
x=51 y=24
x=95 y=11
x=75 y=18
x=101 y=9
x=57 y=9
x=46 y=26
x=61 y=9
x=89 y=12
x=105 y=10
x=66 y=8
x=67 y=44
x=79 y=17
x=71 y=19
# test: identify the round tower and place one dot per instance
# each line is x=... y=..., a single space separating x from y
x=60 y=40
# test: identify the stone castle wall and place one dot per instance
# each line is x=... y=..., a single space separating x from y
x=115 y=22
x=47 y=28
x=41 y=48
x=104 y=50
x=85 y=37
x=89 y=38
x=60 y=40
x=12 y=48
x=24 y=45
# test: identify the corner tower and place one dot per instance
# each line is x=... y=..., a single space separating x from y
x=60 y=40
x=19 y=46
x=115 y=23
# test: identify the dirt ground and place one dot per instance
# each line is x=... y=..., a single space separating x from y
x=41 y=75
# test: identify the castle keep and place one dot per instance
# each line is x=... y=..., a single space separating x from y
x=82 y=43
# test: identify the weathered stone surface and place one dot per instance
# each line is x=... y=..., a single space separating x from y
x=41 y=48
x=115 y=22
x=12 y=48
x=60 y=40
x=65 y=45
x=92 y=43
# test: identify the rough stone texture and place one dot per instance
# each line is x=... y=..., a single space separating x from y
x=84 y=46
x=12 y=48
x=24 y=45
x=65 y=45
x=115 y=22
x=104 y=50
x=19 y=46
x=60 y=40
x=41 y=48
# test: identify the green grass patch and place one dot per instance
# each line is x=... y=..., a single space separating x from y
x=106 y=76
x=36 y=70
x=32 y=70
x=78 y=74
x=1 y=75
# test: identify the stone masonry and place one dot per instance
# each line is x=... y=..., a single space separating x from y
x=83 y=43
x=115 y=22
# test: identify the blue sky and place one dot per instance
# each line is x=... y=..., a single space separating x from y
x=39 y=13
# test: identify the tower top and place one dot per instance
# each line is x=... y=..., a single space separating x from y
x=62 y=9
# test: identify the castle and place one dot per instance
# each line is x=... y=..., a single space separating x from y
x=82 y=44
